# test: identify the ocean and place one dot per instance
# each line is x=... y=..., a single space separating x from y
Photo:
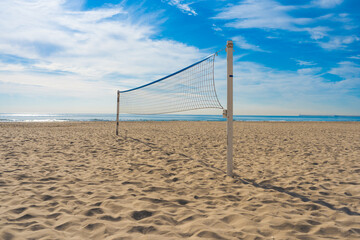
x=21 y=117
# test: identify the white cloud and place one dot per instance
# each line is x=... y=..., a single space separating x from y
x=337 y=42
x=262 y=90
x=184 y=7
x=355 y=57
x=77 y=52
x=350 y=73
x=6 y=67
x=241 y=42
x=271 y=15
x=347 y=70
x=327 y=3
x=309 y=71
x=272 y=37
x=317 y=33
x=266 y=14
x=216 y=28
x=344 y=19
x=304 y=63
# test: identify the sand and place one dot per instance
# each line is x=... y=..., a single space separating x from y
x=166 y=180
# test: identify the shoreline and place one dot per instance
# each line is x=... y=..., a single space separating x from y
x=168 y=117
x=139 y=121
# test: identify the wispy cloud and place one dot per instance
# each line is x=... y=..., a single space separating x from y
x=355 y=57
x=347 y=70
x=183 y=6
x=265 y=14
x=81 y=52
x=336 y=42
x=241 y=42
x=327 y=3
x=304 y=63
x=271 y=15
x=266 y=90
x=317 y=33
x=216 y=28
x=309 y=71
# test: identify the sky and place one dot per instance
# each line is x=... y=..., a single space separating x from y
x=290 y=56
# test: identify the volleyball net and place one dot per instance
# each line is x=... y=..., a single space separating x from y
x=190 y=88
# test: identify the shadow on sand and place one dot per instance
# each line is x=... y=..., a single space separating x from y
x=257 y=185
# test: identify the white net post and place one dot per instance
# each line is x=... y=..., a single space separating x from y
x=229 y=116
x=117 y=113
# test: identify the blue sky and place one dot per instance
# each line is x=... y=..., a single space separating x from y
x=291 y=57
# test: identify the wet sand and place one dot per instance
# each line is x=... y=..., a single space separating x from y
x=166 y=180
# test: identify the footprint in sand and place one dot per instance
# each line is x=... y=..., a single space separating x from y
x=110 y=218
x=142 y=229
x=138 y=215
x=47 y=197
x=94 y=226
x=63 y=226
x=209 y=235
x=36 y=227
x=54 y=215
x=24 y=217
x=93 y=211
x=18 y=210
x=7 y=236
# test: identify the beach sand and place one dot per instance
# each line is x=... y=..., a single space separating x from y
x=166 y=180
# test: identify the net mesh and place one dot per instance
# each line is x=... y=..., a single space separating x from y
x=188 y=89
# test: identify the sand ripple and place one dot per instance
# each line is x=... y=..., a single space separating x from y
x=166 y=180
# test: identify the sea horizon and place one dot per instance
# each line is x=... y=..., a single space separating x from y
x=90 y=117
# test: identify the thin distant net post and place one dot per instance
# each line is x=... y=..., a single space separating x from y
x=117 y=113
